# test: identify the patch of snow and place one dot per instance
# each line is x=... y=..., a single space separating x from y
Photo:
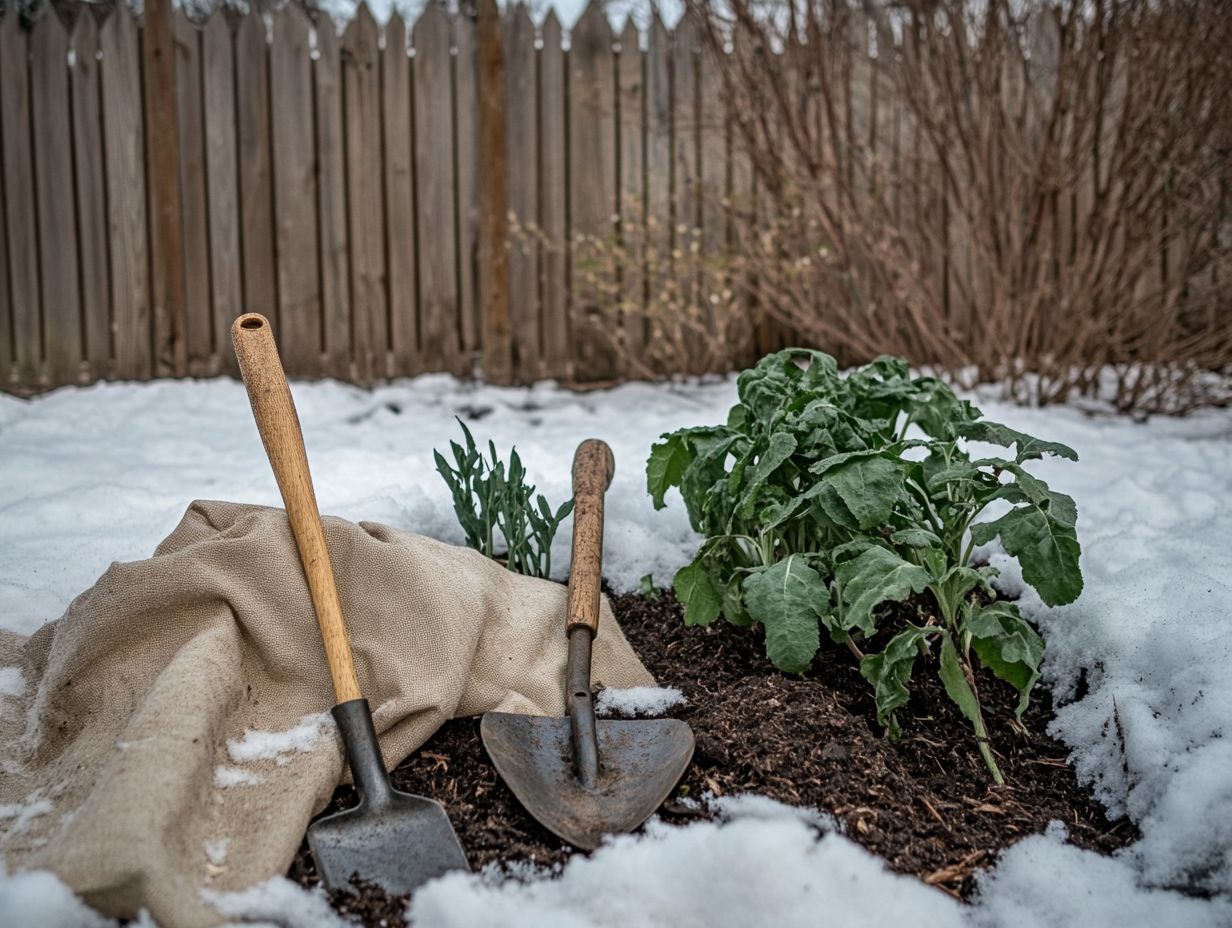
x=16 y=818
x=281 y=745
x=646 y=701
x=765 y=809
x=749 y=871
x=226 y=777
x=279 y=902
x=12 y=681
x=1042 y=882
x=37 y=897
x=216 y=851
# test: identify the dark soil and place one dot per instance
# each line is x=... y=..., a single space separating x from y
x=925 y=803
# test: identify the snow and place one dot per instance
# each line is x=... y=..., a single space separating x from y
x=1147 y=645
x=216 y=851
x=39 y=898
x=279 y=902
x=752 y=870
x=280 y=746
x=646 y=701
x=12 y=681
x=16 y=817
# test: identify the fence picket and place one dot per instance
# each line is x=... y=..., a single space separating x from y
x=295 y=194
x=632 y=196
x=256 y=185
x=659 y=129
x=222 y=191
x=331 y=203
x=434 y=162
x=365 y=205
x=399 y=197
x=123 y=132
x=522 y=191
x=91 y=196
x=465 y=159
x=18 y=165
x=199 y=328
x=57 y=233
x=592 y=189
x=553 y=176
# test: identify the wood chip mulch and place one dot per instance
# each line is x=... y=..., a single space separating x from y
x=925 y=803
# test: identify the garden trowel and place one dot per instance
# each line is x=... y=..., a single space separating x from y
x=580 y=777
x=390 y=838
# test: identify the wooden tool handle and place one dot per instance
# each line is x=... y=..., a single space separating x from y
x=278 y=424
x=593 y=467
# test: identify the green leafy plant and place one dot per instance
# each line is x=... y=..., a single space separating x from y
x=824 y=497
x=490 y=497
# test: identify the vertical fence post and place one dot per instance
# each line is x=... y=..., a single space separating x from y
x=493 y=261
x=163 y=156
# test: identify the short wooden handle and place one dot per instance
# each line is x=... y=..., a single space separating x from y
x=593 y=466
x=278 y=424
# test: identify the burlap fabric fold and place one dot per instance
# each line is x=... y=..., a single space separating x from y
x=173 y=735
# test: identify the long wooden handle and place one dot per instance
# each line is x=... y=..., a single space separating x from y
x=593 y=466
x=278 y=424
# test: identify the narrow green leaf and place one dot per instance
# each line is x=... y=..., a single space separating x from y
x=696 y=590
x=890 y=671
x=1007 y=646
x=875 y=577
x=787 y=598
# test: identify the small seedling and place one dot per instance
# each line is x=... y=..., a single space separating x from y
x=490 y=497
x=819 y=502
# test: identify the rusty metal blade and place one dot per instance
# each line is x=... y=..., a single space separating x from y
x=640 y=763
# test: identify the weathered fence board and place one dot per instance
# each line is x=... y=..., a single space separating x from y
x=123 y=132
x=592 y=188
x=85 y=76
x=295 y=192
x=464 y=109
x=256 y=183
x=331 y=202
x=53 y=194
x=522 y=189
x=18 y=163
x=361 y=80
x=435 y=173
x=553 y=216
x=194 y=209
x=631 y=205
x=399 y=197
x=222 y=191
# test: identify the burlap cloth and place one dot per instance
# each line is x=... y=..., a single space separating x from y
x=127 y=769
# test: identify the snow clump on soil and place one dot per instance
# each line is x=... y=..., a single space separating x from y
x=646 y=701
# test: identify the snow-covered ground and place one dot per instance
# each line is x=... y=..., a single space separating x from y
x=101 y=473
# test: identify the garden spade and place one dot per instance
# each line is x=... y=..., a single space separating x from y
x=390 y=838
x=582 y=778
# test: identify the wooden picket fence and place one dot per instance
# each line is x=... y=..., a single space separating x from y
x=396 y=201
x=331 y=181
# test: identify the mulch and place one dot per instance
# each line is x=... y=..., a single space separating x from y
x=925 y=802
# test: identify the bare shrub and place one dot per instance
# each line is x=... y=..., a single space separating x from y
x=1030 y=192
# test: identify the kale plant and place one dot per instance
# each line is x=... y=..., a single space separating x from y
x=490 y=497
x=820 y=502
